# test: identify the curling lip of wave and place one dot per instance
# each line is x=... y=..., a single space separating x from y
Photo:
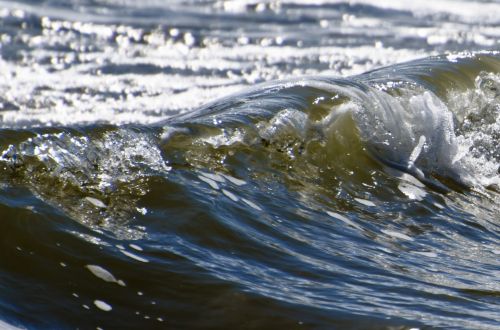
x=402 y=113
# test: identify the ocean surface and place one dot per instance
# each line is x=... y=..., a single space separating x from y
x=242 y=164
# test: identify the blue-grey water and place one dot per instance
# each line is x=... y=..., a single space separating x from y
x=242 y=164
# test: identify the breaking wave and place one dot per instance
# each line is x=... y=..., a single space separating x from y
x=284 y=186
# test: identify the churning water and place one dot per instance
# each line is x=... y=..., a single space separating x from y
x=249 y=164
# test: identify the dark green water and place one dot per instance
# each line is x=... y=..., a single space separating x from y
x=330 y=198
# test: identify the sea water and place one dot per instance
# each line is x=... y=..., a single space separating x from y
x=249 y=164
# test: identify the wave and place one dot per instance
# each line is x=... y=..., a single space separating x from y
x=373 y=197
x=424 y=126
x=417 y=117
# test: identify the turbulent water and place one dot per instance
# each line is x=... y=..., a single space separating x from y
x=244 y=164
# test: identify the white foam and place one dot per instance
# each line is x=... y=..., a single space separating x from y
x=344 y=219
x=466 y=11
x=209 y=181
x=413 y=192
x=251 y=204
x=104 y=274
x=427 y=254
x=365 y=202
x=397 y=234
x=288 y=122
x=96 y=202
x=103 y=305
x=146 y=98
x=415 y=131
x=417 y=150
x=229 y=194
x=136 y=247
x=213 y=176
x=234 y=180
x=134 y=256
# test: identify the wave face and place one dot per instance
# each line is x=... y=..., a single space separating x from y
x=374 y=195
x=333 y=200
